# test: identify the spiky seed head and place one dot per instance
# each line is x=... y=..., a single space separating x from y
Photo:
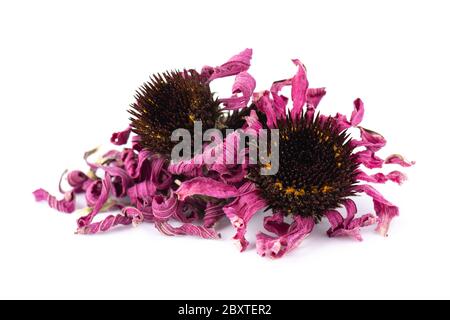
x=317 y=168
x=170 y=101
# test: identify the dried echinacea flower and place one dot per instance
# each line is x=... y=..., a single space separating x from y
x=317 y=168
x=321 y=167
x=135 y=180
x=170 y=101
x=174 y=100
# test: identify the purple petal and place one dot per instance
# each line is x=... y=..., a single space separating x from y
x=369 y=159
x=213 y=213
x=370 y=139
x=206 y=187
x=242 y=209
x=142 y=193
x=129 y=161
x=121 y=138
x=314 y=96
x=363 y=221
x=66 y=205
x=78 y=180
x=186 y=229
x=398 y=159
x=137 y=168
x=276 y=247
x=252 y=122
x=104 y=195
x=237 y=64
x=358 y=113
x=275 y=224
x=135 y=143
x=335 y=219
x=394 y=176
x=355 y=119
x=277 y=86
x=385 y=214
x=279 y=101
x=191 y=168
x=230 y=174
x=352 y=231
x=120 y=180
x=385 y=210
x=104 y=225
x=242 y=90
x=190 y=210
x=136 y=215
x=160 y=177
x=112 y=156
x=299 y=88
x=164 y=207
x=93 y=192
x=350 y=207
x=264 y=104
x=229 y=150
x=348 y=227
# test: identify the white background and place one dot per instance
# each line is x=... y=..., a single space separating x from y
x=69 y=69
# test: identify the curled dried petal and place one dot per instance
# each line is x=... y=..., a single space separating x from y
x=101 y=200
x=164 y=207
x=138 y=168
x=279 y=104
x=355 y=118
x=93 y=192
x=252 y=122
x=385 y=210
x=111 y=156
x=206 y=187
x=264 y=104
x=242 y=209
x=105 y=225
x=78 y=180
x=142 y=192
x=398 y=159
x=369 y=159
x=121 y=137
x=279 y=101
x=186 y=229
x=276 y=247
x=66 y=205
x=358 y=113
x=394 y=176
x=299 y=87
x=242 y=90
x=136 y=143
x=189 y=210
x=349 y=226
x=136 y=215
x=236 y=64
x=314 y=96
x=372 y=140
x=275 y=224
x=121 y=181
x=213 y=213
x=231 y=173
x=189 y=168
x=160 y=177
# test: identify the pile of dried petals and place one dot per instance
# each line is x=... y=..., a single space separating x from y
x=321 y=165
